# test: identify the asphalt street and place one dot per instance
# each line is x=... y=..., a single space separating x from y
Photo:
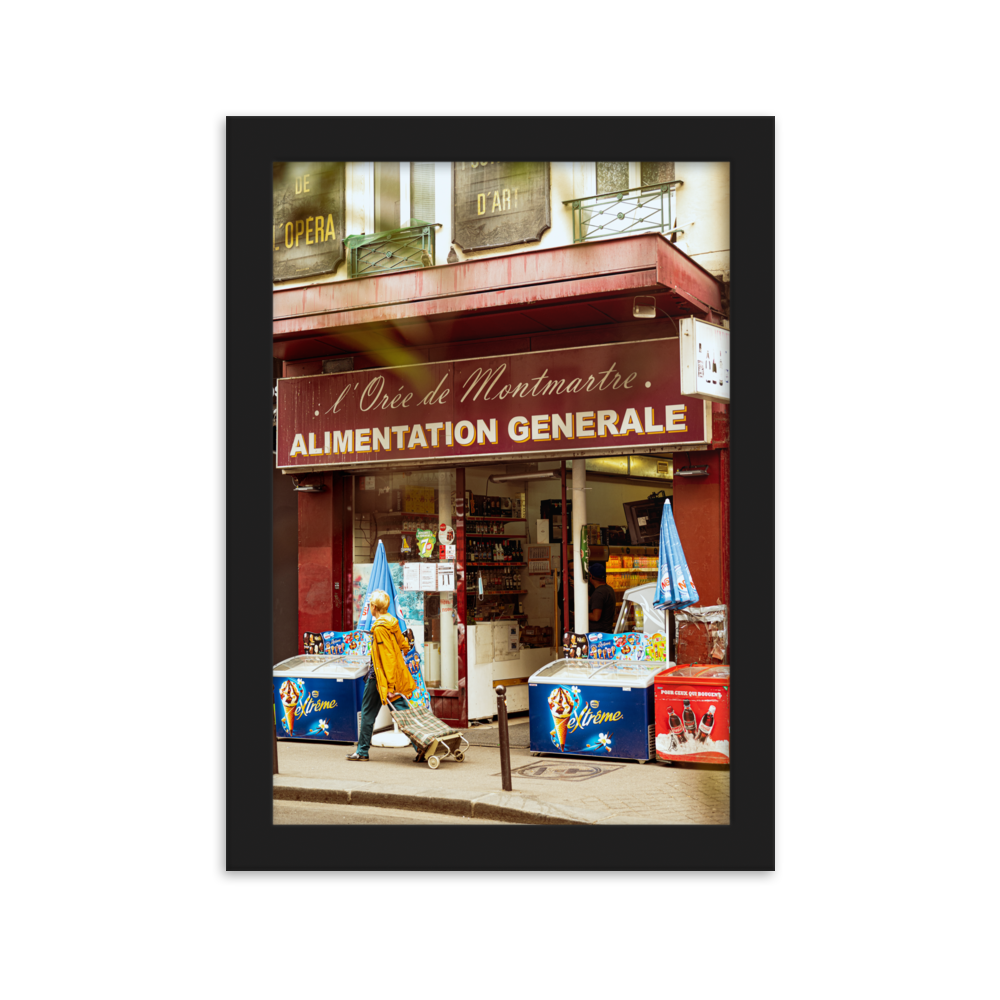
x=324 y=813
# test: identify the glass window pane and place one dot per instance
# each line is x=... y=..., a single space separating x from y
x=655 y=173
x=612 y=177
x=405 y=511
x=386 y=196
x=422 y=192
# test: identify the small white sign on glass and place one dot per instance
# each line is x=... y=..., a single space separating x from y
x=445 y=576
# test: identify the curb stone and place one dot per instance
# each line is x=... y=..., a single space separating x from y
x=505 y=807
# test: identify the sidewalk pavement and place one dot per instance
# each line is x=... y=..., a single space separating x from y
x=557 y=789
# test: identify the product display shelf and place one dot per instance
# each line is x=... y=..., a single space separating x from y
x=508 y=520
x=494 y=593
x=472 y=562
x=475 y=536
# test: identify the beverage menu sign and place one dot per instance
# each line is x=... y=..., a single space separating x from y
x=614 y=397
x=500 y=204
x=308 y=225
x=704 y=360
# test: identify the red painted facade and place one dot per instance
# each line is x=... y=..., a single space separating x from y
x=517 y=303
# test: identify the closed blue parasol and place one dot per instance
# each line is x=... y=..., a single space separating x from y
x=674 y=589
x=381 y=579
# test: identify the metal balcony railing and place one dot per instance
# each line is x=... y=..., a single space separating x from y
x=651 y=208
x=394 y=250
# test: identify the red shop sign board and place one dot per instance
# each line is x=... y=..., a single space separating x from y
x=611 y=397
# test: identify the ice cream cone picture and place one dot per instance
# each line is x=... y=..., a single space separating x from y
x=561 y=707
x=289 y=699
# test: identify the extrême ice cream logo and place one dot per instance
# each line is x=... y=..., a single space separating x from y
x=570 y=714
x=314 y=704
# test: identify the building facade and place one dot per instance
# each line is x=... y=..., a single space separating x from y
x=455 y=345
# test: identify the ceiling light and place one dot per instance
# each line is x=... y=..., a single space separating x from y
x=522 y=476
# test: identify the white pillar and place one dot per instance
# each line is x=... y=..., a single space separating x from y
x=580 y=595
x=449 y=652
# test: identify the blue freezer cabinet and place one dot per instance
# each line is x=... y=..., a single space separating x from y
x=593 y=708
x=319 y=697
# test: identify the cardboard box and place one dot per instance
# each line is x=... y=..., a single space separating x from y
x=419 y=500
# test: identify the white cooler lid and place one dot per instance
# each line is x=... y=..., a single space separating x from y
x=342 y=666
x=302 y=665
x=602 y=673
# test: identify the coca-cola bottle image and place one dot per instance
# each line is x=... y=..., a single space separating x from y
x=707 y=722
x=676 y=726
x=690 y=719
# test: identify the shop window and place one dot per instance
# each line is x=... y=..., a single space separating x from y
x=405 y=511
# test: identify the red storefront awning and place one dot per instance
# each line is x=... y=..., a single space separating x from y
x=531 y=293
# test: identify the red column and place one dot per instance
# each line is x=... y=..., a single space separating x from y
x=321 y=567
x=701 y=510
x=460 y=599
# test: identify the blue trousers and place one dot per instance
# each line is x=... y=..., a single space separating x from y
x=371 y=702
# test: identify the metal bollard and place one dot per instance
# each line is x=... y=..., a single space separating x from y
x=504 y=738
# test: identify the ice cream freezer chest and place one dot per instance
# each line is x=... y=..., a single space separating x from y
x=319 y=697
x=692 y=713
x=592 y=707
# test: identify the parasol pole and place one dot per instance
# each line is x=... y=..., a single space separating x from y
x=393 y=738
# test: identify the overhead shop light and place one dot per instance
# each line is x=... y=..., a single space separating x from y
x=521 y=477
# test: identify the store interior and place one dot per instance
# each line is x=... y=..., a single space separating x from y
x=513 y=566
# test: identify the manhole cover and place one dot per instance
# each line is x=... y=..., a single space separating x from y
x=566 y=772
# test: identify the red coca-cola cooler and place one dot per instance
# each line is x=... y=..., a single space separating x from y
x=691 y=706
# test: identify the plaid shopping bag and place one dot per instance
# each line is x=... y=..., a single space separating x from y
x=420 y=724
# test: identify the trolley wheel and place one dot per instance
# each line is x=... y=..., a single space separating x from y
x=432 y=762
x=459 y=755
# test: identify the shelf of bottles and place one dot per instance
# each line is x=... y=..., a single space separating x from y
x=493 y=551
x=627 y=571
x=490 y=527
x=499 y=580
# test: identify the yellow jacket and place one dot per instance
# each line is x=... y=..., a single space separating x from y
x=388 y=646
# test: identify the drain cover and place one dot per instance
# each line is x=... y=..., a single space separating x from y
x=566 y=772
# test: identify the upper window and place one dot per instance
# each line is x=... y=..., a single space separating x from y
x=612 y=177
x=622 y=175
x=422 y=192
x=386 y=196
x=630 y=198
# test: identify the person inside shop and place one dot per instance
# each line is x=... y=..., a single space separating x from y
x=602 y=600
x=388 y=676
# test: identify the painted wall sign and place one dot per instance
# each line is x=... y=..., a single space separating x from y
x=308 y=229
x=611 y=396
x=500 y=204
x=704 y=360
